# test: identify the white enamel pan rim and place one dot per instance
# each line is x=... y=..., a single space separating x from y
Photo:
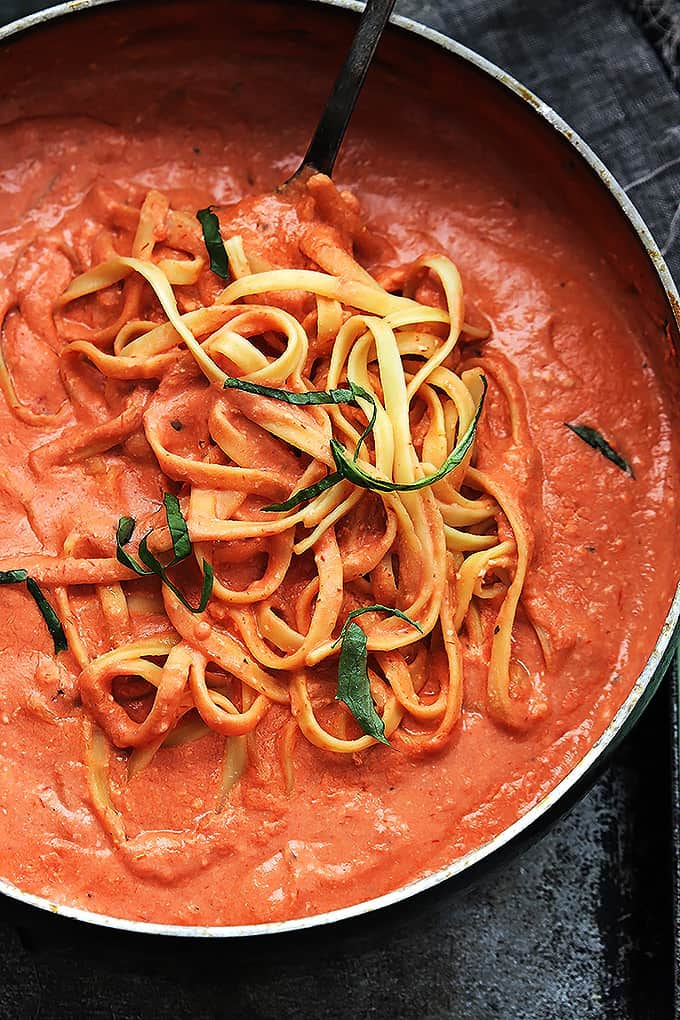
x=648 y=675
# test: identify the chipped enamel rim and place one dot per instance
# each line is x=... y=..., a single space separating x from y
x=586 y=770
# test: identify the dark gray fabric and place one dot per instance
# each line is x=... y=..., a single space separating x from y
x=660 y=21
x=551 y=937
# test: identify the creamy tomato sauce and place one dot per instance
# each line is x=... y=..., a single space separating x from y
x=604 y=566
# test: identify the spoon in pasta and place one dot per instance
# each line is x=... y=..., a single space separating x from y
x=330 y=130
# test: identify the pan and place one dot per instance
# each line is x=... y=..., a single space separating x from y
x=440 y=71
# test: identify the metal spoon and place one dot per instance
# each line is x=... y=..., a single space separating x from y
x=330 y=130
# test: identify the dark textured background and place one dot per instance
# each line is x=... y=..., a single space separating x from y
x=581 y=925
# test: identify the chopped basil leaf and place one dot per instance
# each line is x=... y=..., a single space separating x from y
x=49 y=616
x=302 y=495
x=595 y=439
x=219 y=260
x=126 y=526
x=12 y=576
x=156 y=567
x=46 y=611
x=342 y=395
x=354 y=687
x=306 y=397
x=349 y=394
x=371 y=422
x=181 y=544
x=349 y=469
x=376 y=608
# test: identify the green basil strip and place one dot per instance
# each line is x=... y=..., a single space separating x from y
x=307 y=397
x=46 y=611
x=354 y=686
x=147 y=557
x=219 y=260
x=49 y=616
x=13 y=576
x=376 y=608
x=179 y=533
x=370 y=424
x=349 y=469
x=156 y=567
x=126 y=526
x=310 y=492
x=342 y=395
x=595 y=439
x=181 y=546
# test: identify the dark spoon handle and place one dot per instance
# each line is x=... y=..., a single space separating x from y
x=330 y=131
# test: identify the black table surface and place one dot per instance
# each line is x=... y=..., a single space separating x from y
x=581 y=925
